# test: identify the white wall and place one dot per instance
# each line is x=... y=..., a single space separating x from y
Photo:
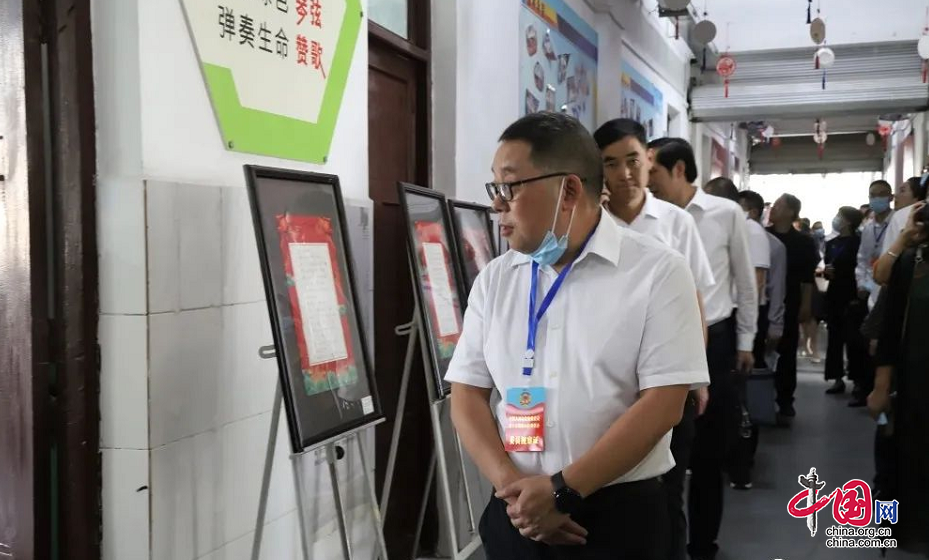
x=185 y=401
x=488 y=76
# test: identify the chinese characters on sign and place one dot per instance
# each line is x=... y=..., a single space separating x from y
x=276 y=70
x=246 y=31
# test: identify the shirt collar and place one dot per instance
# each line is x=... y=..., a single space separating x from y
x=605 y=243
x=653 y=208
x=700 y=199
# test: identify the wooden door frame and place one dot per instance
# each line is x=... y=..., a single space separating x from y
x=416 y=48
x=49 y=357
x=24 y=350
x=76 y=422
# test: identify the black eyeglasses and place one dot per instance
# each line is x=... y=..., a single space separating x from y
x=505 y=190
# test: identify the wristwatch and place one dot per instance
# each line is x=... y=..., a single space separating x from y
x=567 y=499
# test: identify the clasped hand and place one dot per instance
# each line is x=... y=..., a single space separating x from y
x=531 y=508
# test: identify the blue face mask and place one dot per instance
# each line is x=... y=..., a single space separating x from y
x=819 y=234
x=551 y=249
x=880 y=204
x=837 y=224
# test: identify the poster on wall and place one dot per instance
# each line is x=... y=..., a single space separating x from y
x=643 y=102
x=557 y=61
x=435 y=276
x=719 y=160
x=474 y=240
x=326 y=378
x=275 y=70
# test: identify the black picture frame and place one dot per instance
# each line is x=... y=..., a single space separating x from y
x=470 y=216
x=315 y=414
x=426 y=205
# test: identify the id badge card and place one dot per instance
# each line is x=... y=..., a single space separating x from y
x=525 y=419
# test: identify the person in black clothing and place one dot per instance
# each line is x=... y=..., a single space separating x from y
x=902 y=361
x=841 y=259
x=802 y=259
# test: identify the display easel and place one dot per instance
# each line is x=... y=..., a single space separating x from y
x=333 y=453
x=438 y=466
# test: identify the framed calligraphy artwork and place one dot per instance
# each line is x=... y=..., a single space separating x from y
x=474 y=240
x=326 y=376
x=435 y=276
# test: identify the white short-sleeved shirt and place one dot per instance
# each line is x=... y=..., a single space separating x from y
x=723 y=229
x=625 y=319
x=759 y=249
x=675 y=228
x=897 y=223
x=758 y=246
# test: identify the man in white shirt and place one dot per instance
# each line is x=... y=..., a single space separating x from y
x=582 y=434
x=722 y=227
x=626 y=167
x=873 y=232
x=758 y=246
x=770 y=330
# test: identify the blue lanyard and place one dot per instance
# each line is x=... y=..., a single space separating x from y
x=536 y=316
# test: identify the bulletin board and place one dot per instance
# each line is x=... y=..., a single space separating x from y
x=557 y=61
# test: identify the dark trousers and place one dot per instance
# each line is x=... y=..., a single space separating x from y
x=682 y=439
x=624 y=522
x=844 y=337
x=714 y=433
x=785 y=378
x=860 y=364
x=761 y=338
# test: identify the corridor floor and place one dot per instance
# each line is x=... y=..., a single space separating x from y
x=826 y=434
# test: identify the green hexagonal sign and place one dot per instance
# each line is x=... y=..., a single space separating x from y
x=275 y=70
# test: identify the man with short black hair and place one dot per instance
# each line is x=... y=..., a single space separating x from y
x=626 y=169
x=731 y=335
x=770 y=327
x=582 y=434
x=802 y=259
x=880 y=196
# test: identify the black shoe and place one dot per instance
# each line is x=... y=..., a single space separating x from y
x=837 y=388
x=787 y=410
x=858 y=402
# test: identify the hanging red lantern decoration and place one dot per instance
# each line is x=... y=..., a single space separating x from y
x=725 y=67
x=820 y=136
x=884 y=128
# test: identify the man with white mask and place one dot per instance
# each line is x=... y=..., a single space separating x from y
x=572 y=326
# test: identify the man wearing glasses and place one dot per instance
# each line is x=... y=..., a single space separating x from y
x=592 y=336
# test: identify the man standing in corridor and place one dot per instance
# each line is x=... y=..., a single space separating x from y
x=721 y=223
x=593 y=375
x=626 y=168
x=802 y=259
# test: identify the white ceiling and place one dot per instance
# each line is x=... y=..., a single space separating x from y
x=778 y=24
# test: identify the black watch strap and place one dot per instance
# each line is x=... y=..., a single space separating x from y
x=558 y=482
x=567 y=499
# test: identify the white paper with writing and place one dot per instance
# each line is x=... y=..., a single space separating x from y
x=319 y=305
x=441 y=288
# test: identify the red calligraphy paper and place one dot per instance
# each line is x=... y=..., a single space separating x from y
x=433 y=232
x=319 y=378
